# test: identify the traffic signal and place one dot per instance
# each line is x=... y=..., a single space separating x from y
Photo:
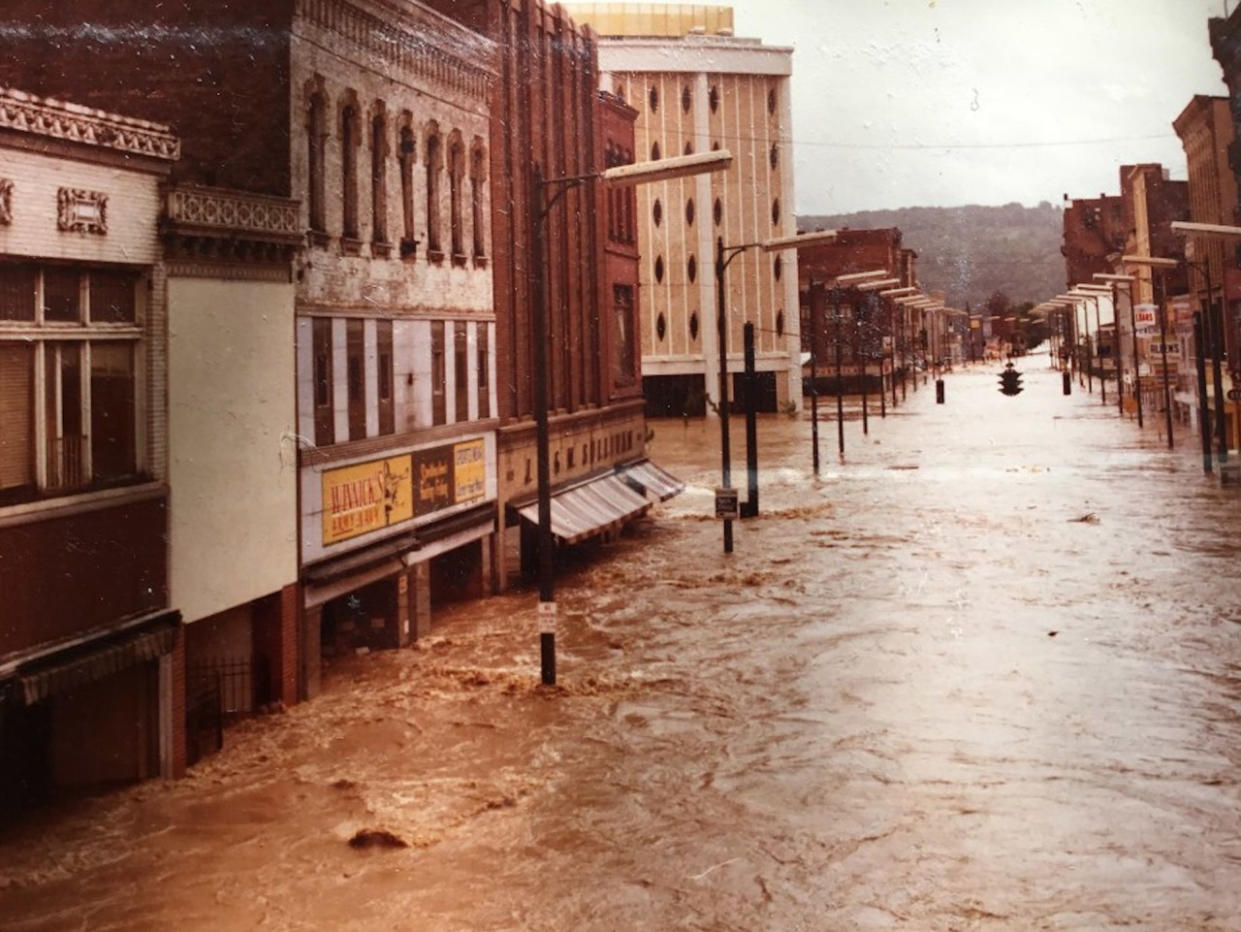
x=1010 y=381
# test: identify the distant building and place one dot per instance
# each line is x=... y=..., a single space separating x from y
x=695 y=88
x=859 y=251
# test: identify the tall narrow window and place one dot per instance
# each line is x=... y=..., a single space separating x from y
x=406 y=152
x=461 y=367
x=349 y=169
x=16 y=416
x=355 y=375
x=456 y=178
x=478 y=179
x=483 y=374
x=379 y=177
x=383 y=376
x=112 y=410
x=622 y=309
x=435 y=164
x=325 y=415
x=66 y=442
x=316 y=140
x=439 y=375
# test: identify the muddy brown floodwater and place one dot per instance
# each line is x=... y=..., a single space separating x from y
x=921 y=694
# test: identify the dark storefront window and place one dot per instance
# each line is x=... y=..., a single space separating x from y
x=439 y=375
x=461 y=367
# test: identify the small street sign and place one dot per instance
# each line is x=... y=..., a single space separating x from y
x=1234 y=394
x=727 y=504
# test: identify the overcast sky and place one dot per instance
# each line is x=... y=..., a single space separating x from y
x=902 y=103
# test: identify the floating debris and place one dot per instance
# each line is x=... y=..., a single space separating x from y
x=376 y=838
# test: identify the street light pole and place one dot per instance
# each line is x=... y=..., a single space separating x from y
x=540 y=207
x=1160 y=266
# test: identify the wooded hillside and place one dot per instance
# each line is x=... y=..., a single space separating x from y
x=970 y=252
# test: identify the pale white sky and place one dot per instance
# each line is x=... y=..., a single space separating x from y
x=979 y=83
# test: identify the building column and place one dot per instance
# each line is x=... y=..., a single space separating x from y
x=311 y=652
x=275 y=641
x=420 y=598
x=171 y=701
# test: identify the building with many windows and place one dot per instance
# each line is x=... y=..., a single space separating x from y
x=91 y=653
x=372 y=120
x=696 y=87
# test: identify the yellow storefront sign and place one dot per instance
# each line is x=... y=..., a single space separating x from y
x=470 y=470
x=366 y=497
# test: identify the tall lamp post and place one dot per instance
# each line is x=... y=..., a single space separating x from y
x=890 y=295
x=875 y=289
x=723 y=256
x=1160 y=266
x=1130 y=282
x=1096 y=292
x=545 y=193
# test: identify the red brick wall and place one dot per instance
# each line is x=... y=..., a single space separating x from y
x=216 y=71
x=275 y=640
x=73 y=574
x=545 y=96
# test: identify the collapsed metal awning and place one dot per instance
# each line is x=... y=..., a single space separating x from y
x=93 y=660
x=645 y=476
x=590 y=508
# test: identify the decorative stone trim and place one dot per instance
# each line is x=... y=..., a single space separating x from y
x=381 y=250
x=6 y=201
x=350 y=246
x=79 y=211
x=232 y=213
x=424 y=45
x=44 y=116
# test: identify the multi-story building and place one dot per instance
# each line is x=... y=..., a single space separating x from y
x=1206 y=130
x=1094 y=228
x=91 y=653
x=877 y=338
x=374 y=117
x=551 y=114
x=695 y=88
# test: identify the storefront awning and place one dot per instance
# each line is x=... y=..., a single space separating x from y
x=85 y=663
x=590 y=508
x=647 y=477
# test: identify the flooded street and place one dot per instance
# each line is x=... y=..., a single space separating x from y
x=923 y=693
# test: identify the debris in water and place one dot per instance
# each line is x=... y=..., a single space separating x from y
x=376 y=838
x=1052 y=634
x=1088 y=518
x=343 y=784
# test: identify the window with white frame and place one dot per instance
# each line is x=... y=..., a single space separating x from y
x=70 y=339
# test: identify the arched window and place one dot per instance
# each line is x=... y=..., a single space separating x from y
x=379 y=179
x=435 y=165
x=406 y=150
x=349 y=139
x=478 y=181
x=316 y=140
x=456 y=179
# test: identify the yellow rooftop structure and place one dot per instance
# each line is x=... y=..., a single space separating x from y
x=653 y=19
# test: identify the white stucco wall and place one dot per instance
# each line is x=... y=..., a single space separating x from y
x=233 y=466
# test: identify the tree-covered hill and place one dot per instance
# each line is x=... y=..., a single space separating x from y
x=971 y=252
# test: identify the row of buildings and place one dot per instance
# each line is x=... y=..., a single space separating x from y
x=1202 y=278
x=266 y=353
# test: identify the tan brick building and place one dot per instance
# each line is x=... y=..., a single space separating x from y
x=696 y=87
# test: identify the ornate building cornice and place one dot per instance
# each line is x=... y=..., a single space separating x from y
x=57 y=119
x=412 y=39
x=207 y=228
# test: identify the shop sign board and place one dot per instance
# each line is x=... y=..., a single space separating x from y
x=452 y=474
x=727 y=504
x=366 y=497
x=1144 y=316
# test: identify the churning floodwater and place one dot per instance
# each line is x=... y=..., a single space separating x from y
x=984 y=673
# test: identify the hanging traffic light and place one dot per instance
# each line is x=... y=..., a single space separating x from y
x=1010 y=381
